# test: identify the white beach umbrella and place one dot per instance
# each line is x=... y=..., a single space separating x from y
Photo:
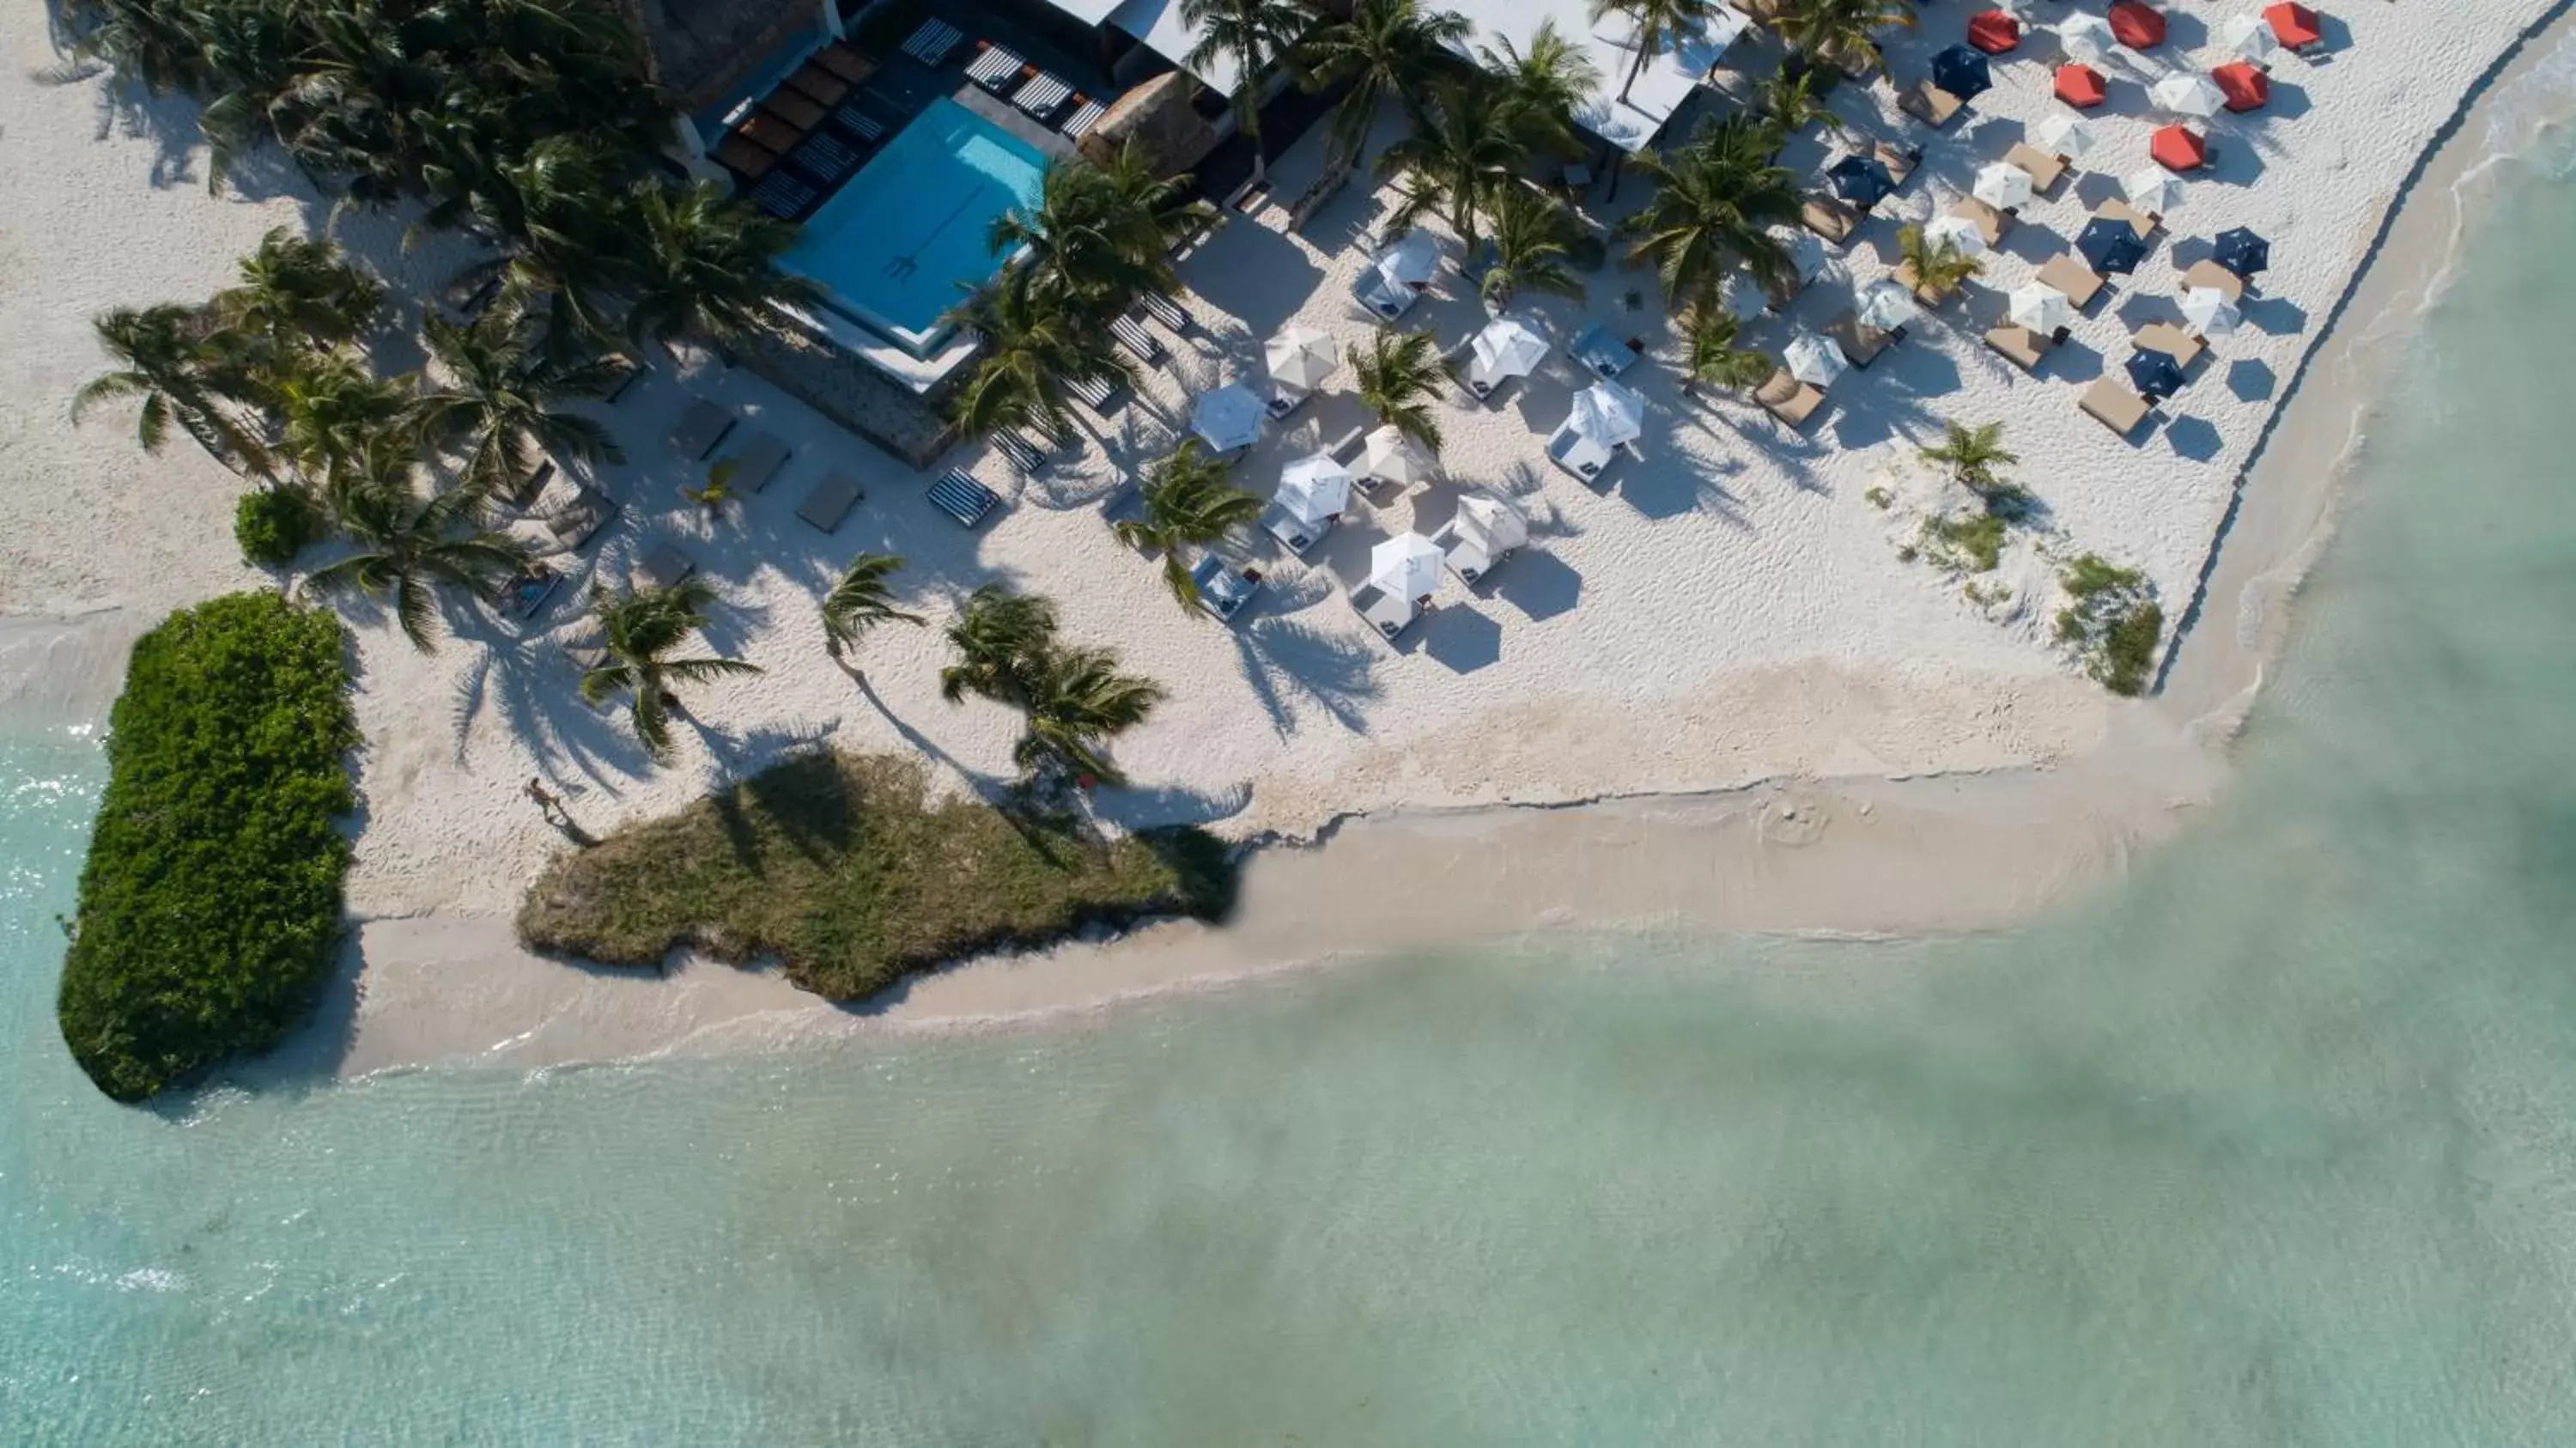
x=2017 y=9
x=1813 y=360
x=2210 y=313
x=2188 y=93
x=2066 y=134
x=1608 y=414
x=1397 y=458
x=1227 y=418
x=1508 y=347
x=1494 y=522
x=1411 y=261
x=1805 y=250
x=2086 y=37
x=2152 y=189
x=1742 y=296
x=1301 y=357
x=1960 y=233
x=2040 y=307
x=2248 y=38
x=2002 y=185
x=1315 y=488
x=1405 y=566
x=1886 y=306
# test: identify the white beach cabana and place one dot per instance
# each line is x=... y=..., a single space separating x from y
x=1301 y=357
x=2002 y=185
x=1389 y=285
x=2152 y=189
x=1227 y=419
x=1507 y=348
x=1605 y=418
x=2248 y=38
x=2210 y=313
x=2086 y=37
x=2066 y=134
x=1483 y=533
x=1961 y=234
x=2040 y=307
x=1814 y=360
x=1315 y=489
x=1886 y=306
x=1390 y=456
x=1406 y=566
x=2188 y=93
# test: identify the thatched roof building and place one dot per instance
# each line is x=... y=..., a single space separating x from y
x=700 y=48
x=1158 y=116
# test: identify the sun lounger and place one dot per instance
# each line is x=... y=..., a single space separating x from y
x=1387 y=613
x=824 y=158
x=745 y=157
x=664 y=566
x=1077 y=123
x=845 y=61
x=1097 y=393
x=2207 y=273
x=2020 y=345
x=816 y=83
x=2144 y=223
x=526 y=592
x=1828 y=218
x=996 y=69
x=1284 y=400
x=770 y=133
x=580 y=520
x=1127 y=332
x=829 y=501
x=757 y=457
x=1788 y=399
x=783 y=196
x=855 y=119
x=1043 y=96
x=700 y=428
x=2079 y=282
x=2171 y=340
x=795 y=108
x=1025 y=455
x=1168 y=312
x=1900 y=162
x=1597 y=349
x=2043 y=169
x=963 y=498
x=1930 y=104
x=2114 y=406
x=1294 y=533
x=1466 y=556
x=1223 y=591
x=1861 y=344
x=933 y=41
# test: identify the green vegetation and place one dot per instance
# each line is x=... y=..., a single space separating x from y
x=1382 y=52
x=1259 y=36
x=1842 y=33
x=1713 y=354
x=1938 y=268
x=1975 y=458
x=841 y=866
x=1716 y=198
x=2113 y=622
x=639 y=628
x=1188 y=504
x=272 y=525
x=1973 y=544
x=1073 y=699
x=210 y=904
x=1398 y=377
x=861 y=599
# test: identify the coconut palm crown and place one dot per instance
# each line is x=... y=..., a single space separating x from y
x=1387 y=49
x=860 y=599
x=639 y=628
x=1715 y=199
x=1188 y=503
x=1399 y=373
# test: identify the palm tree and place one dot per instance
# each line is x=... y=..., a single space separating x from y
x=1712 y=352
x=1035 y=348
x=1388 y=48
x=1530 y=242
x=1078 y=701
x=860 y=599
x=1658 y=26
x=1098 y=236
x=638 y=628
x=331 y=409
x=1256 y=35
x=410 y=546
x=1844 y=32
x=164 y=356
x=1188 y=503
x=1002 y=640
x=1792 y=99
x=1975 y=457
x=297 y=292
x=1463 y=145
x=700 y=261
x=500 y=404
x=1713 y=202
x=1937 y=268
x=1544 y=85
x=1398 y=376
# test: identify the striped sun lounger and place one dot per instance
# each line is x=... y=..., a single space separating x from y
x=1129 y=333
x=997 y=69
x=963 y=498
x=1085 y=115
x=1042 y=95
x=1094 y=393
x=859 y=123
x=1024 y=454
x=782 y=195
x=931 y=43
x=824 y=159
x=1168 y=312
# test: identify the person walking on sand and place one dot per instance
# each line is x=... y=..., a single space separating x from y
x=549 y=803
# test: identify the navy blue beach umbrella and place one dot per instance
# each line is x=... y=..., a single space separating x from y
x=1962 y=72
x=2154 y=373
x=1861 y=180
x=2110 y=245
x=2242 y=252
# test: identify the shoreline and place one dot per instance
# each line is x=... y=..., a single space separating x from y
x=1857 y=854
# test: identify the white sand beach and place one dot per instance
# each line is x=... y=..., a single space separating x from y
x=1726 y=621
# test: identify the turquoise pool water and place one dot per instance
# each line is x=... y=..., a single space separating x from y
x=903 y=240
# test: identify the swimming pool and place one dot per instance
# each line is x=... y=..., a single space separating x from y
x=903 y=240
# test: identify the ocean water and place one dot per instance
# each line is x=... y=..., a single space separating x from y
x=2272 y=1143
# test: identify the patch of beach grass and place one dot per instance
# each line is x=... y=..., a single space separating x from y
x=2112 y=621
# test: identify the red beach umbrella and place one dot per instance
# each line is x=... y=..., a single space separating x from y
x=2294 y=25
x=2137 y=26
x=2176 y=149
x=2245 y=87
x=1994 y=31
x=2081 y=86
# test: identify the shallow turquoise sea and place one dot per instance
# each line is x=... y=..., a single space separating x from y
x=2273 y=1143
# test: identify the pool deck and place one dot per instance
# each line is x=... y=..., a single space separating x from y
x=1010 y=118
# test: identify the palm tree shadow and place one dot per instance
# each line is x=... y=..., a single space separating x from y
x=1284 y=660
x=990 y=788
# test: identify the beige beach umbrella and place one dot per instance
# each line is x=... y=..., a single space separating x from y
x=1389 y=454
x=2152 y=189
x=2040 y=307
x=2086 y=37
x=2210 y=313
x=2002 y=186
x=2066 y=134
x=1301 y=357
x=2188 y=93
x=1960 y=233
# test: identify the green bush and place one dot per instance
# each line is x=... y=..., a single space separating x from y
x=272 y=525
x=2112 y=621
x=210 y=904
x=1973 y=544
x=842 y=866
